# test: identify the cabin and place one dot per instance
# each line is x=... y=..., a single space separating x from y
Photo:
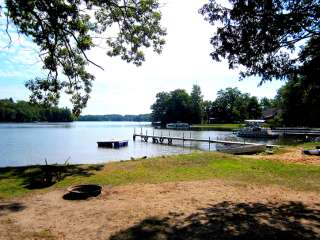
x=270 y=113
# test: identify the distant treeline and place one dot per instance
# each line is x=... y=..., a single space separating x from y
x=230 y=106
x=117 y=117
x=22 y=111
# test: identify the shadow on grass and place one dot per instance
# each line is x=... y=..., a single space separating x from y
x=228 y=220
x=42 y=176
x=10 y=207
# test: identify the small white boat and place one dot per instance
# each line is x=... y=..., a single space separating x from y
x=241 y=149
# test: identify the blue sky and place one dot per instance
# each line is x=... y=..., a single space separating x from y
x=126 y=89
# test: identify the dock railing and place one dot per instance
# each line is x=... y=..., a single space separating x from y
x=169 y=139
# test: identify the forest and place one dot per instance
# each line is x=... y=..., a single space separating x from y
x=230 y=106
x=22 y=111
x=292 y=106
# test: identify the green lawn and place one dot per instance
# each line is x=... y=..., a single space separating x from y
x=16 y=182
x=306 y=145
x=217 y=127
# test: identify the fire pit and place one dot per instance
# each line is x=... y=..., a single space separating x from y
x=83 y=191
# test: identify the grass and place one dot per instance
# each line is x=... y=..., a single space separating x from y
x=306 y=145
x=217 y=127
x=195 y=166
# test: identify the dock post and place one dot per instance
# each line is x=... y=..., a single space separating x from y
x=209 y=144
x=141 y=131
x=183 y=139
x=169 y=133
x=134 y=134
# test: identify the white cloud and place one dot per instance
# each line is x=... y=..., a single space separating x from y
x=126 y=89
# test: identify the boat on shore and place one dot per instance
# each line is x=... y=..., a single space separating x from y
x=178 y=126
x=254 y=129
x=241 y=149
x=315 y=152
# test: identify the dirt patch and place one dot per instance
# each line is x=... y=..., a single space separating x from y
x=184 y=210
x=291 y=155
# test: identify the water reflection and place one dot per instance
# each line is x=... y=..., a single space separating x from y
x=31 y=143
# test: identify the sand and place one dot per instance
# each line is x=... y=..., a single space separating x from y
x=292 y=155
x=212 y=209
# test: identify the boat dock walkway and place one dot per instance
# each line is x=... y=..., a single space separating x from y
x=297 y=131
x=169 y=139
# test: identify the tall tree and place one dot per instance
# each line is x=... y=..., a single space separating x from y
x=65 y=30
x=254 y=108
x=231 y=105
x=266 y=103
x=160 y=107
x=197 y=104
x=175 y=106
x=299 y=98
x=179 y=107
x=261 y=35
x=207 y=111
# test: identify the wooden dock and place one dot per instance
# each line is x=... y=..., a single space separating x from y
x=169 y=139
x=297 y=132
x=113 y=143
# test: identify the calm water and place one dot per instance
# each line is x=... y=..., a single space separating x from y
x=31 y=143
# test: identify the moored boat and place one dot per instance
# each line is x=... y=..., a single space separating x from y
x=254 y=129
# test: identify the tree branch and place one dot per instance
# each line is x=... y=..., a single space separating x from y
x=84 y=54
x=7 y=31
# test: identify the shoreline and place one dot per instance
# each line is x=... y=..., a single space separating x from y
x=266 y=156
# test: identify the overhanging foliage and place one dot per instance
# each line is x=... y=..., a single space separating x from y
x=65 y=30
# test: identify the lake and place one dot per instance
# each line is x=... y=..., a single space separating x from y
x=31 y=143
